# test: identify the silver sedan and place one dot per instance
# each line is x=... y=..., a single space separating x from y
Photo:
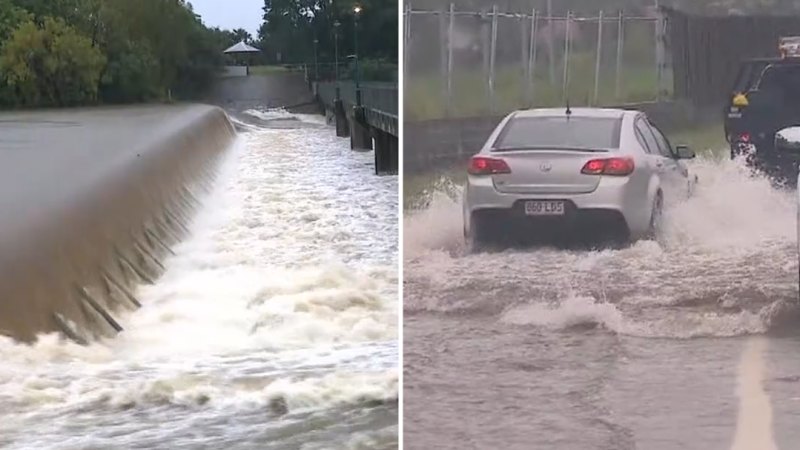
x=573 y=172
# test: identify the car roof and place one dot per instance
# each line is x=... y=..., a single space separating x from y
x=610 y=113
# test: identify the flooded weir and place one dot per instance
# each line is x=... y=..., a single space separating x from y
x=93 y=200
x=273 y=323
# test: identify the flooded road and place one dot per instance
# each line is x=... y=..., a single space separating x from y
x=274 y=325
x=688 y=342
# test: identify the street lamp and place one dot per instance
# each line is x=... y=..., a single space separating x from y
x=356 y=11
x=316 y=61
x=336 y=26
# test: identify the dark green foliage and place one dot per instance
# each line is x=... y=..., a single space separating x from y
x=131 y=75
x=11 y=17
x=66 y=52
x=291 y=26
x=50 y=65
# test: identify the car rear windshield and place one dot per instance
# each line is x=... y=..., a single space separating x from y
x=559 y=132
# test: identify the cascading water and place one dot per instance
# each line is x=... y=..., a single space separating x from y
x=273 y=324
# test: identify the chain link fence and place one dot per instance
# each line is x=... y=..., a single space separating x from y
x=478 y=63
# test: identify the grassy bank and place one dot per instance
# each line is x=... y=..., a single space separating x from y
x=706 y=141
x=425 y=96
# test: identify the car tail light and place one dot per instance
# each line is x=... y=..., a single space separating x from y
x=481 y=165
x=608 y=166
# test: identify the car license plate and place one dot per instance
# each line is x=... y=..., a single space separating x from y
x=544 y=208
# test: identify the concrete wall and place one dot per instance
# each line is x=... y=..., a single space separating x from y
x=279 y=90
x=92 y=200
x=437 y=144
x=234 y=71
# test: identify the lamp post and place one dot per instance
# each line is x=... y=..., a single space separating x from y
x=316 y=61
x=356 y=12
x=336 y=26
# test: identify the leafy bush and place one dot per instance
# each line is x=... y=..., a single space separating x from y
x=51 y=65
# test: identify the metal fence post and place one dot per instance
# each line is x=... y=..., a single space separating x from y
x=492 y=59
x=566 y=55
x=551 y=42
x=450 y=32
x=524 y=56
x=406 y=40
x=620 y=40
x=598 y=59
x=660 y=53
x=531 y=80
x=442 y=15
x=486 y=38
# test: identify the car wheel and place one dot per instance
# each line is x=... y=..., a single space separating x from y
x=475 y=238
x=656 y=217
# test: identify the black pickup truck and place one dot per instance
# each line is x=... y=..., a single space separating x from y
x=765 y=99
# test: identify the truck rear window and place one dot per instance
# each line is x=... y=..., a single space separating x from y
x=782 y=79
x=559 y=132
x=748 y=76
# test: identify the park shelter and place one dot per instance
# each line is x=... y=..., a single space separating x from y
x=240 y=59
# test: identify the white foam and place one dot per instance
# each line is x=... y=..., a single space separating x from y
x=270 y=114
x=571 y=312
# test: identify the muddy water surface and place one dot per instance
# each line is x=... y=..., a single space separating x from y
x=661 y=345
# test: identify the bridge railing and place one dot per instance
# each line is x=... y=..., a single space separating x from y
x=380 y=101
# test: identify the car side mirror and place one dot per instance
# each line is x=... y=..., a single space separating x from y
x=684 y=152
x=788 y=140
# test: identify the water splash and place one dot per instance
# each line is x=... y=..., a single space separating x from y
x=726 y=264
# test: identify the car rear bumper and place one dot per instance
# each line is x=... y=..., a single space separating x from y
x=612 y=205
x=513 y=225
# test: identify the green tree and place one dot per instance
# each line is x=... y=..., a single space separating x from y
x=291 y=26
x=61 y=52
x=241 y=35
x=286 y=30
x=51 y=65
x=11 y=17
x=131 y=74
x=178 y=52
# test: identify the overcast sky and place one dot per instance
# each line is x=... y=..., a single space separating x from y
x=231 y=14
